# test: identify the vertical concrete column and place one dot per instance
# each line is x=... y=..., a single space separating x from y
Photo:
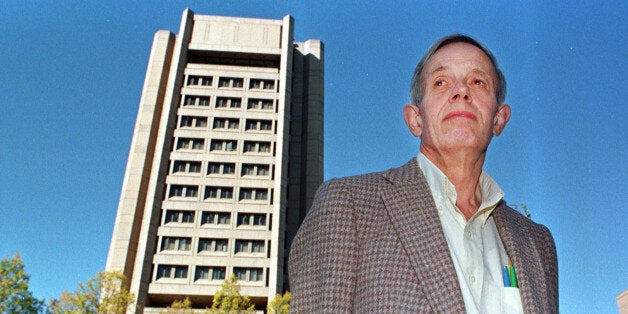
x=126 y=230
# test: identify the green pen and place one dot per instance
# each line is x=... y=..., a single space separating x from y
x=513 y=277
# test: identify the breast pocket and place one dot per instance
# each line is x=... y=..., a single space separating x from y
x=511 y=300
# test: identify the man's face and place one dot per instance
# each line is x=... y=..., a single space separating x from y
x=459 y=110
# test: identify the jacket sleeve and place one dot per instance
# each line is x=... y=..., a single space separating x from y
x=324 y=253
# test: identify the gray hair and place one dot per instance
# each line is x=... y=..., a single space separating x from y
x=417 y=87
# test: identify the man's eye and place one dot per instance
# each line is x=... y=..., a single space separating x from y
x=439 y=83
x=479 y=82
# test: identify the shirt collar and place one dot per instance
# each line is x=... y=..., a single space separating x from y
x=444 y=191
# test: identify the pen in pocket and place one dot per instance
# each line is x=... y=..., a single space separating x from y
x=510 y=276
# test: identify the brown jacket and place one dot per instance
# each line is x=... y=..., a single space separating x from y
x=374 y=244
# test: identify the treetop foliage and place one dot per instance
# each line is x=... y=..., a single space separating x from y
x=15 y=297
x=229 y=300
x=280 y=304
x=104 y=293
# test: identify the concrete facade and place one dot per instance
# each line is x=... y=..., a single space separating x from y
x=224 y=162
x=622 y=302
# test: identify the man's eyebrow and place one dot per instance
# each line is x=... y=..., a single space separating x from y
x=480 y=71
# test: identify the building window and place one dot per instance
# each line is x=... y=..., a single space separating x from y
x=247 y=170
x=240 y=274
x=245 y=219
x=213 y=168
x=188 y=191
x=255 y=170
x=226 y=193
x=207 y=81
x=190 y=143
x=176 y=244
x=228 y=168
x=218 y=273
x=197 y=80
x=246 y=194
x=258 y=125
x=260 y=104
x=263 y=170
x=216 y=218
x=262 y=84
x=193 y=122
x=261 y=194
x=253 y=194
x=172 y=272
x=249 y=246
x=265 y=125
x=200 y=101
x=214 y=192
x=209 y=273
x=220 y=123
x=228 y=102
x=185 y=122
x=179 y=216
x=181 y=166
x=212 y=245
x=202 y=273
x=256 y=147
x=223 y=145
x=221 y=168
x=248 y=274
x=225 y=123
x=189 y=101
x=231 y=82
x=203 y=101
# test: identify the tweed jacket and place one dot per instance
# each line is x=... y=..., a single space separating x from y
x=374 y=244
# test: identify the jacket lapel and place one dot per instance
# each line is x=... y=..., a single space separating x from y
x=413 y=214
x=524 y=256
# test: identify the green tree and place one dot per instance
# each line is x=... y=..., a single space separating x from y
x=14 y=294
x=280 y=304
x=104 y=293
x=179 y=307
x=229 y=300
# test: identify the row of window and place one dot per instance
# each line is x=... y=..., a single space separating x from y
x=230 y=82
x=226 y=123
x=228 y=102
x=221 y=168
x=219 y=192
x=223 y=145
x=243 y=274
x=207 y=245
x=215 y=218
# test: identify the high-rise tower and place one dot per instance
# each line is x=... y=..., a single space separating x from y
x=225 y=159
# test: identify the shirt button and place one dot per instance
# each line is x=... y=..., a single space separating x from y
x=472 y=279
x=469 y=234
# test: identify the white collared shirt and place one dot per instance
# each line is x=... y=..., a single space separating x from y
x=475 y=246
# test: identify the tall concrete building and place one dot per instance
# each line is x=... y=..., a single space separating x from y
x=225 y=159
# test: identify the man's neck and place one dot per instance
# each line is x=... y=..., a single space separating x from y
x=463 y=170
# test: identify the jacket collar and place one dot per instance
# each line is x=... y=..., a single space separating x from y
x=414 y=216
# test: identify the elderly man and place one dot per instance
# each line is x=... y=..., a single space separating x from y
x=433 y=235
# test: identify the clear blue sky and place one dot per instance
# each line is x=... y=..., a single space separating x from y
x=71 y=75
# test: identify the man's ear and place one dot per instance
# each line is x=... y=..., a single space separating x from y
x=501 y=119
x=413 y=119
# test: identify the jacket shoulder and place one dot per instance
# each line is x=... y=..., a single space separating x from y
x=407 y=172
x=522 y=221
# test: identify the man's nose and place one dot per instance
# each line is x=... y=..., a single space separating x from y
x=460 y=91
